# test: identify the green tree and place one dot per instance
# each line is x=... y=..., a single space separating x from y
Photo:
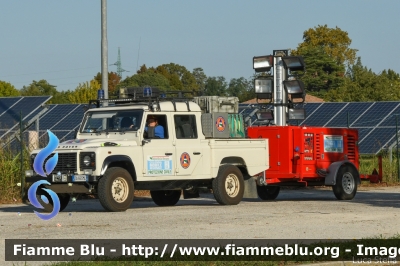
x=179 y=77
x=200 y=78
x=6 y=89
x=173 y=78
x=392 y=75
x=363 y=85
x=113 y=81
x=167 y=77
x=189 y=82
x=143 y=69
x=322 y=72
x=43 y=88
x=241 y=88
x=61 y=97
x=84 y=92
x=38 y=88
x=148 y=78
x=215 y=86
x=334 y=41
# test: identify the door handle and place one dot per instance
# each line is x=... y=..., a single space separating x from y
x=196 y=153
x=168 y=153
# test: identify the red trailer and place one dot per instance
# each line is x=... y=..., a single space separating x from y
x=300 y=155
x=310 y=156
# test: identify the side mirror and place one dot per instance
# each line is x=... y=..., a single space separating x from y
x=144 y=141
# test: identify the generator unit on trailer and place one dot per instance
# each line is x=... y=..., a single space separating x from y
x=309 y=156
x=299 y=155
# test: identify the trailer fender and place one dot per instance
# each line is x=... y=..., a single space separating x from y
x=330 y=179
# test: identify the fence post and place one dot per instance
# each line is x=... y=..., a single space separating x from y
x=21 y=135
x=397 y=147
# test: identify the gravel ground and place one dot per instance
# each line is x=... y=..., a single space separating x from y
x=295 y=214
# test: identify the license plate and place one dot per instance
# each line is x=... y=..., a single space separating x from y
x=79 y=178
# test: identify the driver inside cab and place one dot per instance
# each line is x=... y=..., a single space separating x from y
x=153 y=129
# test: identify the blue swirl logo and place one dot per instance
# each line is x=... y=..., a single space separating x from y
x=47 y=196
x=32 y=192
x=44 y=153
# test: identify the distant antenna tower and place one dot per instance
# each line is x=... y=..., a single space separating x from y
x=118 y=64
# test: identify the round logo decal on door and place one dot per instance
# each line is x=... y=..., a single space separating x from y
x=185 y=160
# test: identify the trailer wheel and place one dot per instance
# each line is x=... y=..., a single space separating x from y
x=115 y=190
x=268 y=192
x=228 y=186
x=48 y=206
x=346 y=185
x=165 y=197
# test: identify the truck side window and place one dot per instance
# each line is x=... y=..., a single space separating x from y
x=185 y=126
x=156 y=127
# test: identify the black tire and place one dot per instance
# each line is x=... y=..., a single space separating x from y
x=346 y=183
x=48 y=207
x=64 y=200
x=115 y=190
x=268 y=192
x=228 y=186
x=165 y=197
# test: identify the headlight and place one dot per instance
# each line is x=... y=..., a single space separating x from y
x=86 y=160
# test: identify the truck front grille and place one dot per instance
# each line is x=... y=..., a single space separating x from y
x=66 y=162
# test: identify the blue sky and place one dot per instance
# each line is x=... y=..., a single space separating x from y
x=60 y=40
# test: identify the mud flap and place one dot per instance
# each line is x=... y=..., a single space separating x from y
x=250 y=188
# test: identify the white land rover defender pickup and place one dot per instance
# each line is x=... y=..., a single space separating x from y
x=116 y=152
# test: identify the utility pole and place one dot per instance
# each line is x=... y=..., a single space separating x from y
x=104 y=49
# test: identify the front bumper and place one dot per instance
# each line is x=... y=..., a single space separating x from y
x=66 y=183
x=59 y=178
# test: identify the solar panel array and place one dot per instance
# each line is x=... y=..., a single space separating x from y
x=61 y=119
x=12 y=108
x=375 y=121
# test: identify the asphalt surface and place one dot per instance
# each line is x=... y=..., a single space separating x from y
x=295 y=214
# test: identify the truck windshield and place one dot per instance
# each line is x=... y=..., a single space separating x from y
x=128 y=120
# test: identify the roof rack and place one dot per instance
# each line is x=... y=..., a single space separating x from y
x=146 y=95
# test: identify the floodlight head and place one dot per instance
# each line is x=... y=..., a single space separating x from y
x=263 y=87
x=263 y=63
x=298 y=113
x=265 y=115
x=294 y=88
x=294 y=63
